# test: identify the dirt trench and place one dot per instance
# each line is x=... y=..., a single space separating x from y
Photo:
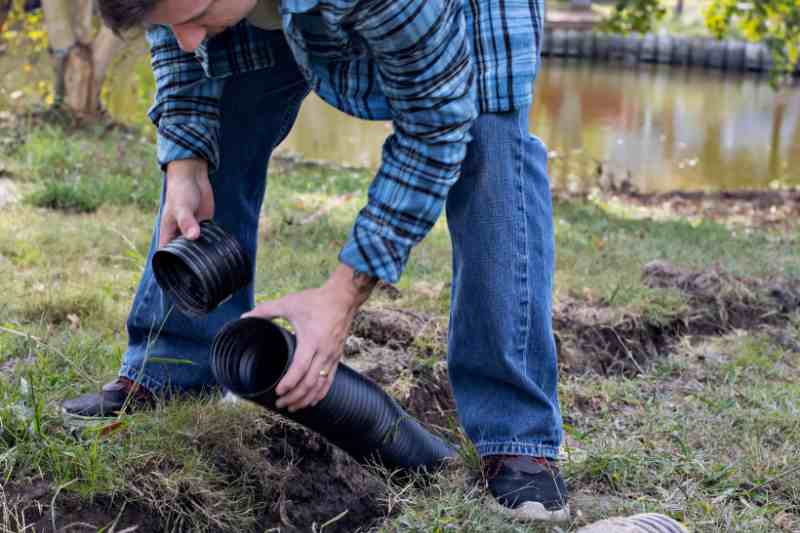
x=591 y=336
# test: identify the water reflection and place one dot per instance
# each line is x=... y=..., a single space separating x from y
x=657 y=128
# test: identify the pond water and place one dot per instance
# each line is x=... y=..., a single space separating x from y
x=657 y=128
x=653 y=127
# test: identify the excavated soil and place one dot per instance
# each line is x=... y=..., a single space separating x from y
x=31 y=503
x=592 y=337
x=303 y=482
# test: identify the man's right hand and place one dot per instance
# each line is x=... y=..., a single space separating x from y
x=189 y=200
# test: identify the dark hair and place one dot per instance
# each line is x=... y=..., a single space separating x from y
x=121 y=15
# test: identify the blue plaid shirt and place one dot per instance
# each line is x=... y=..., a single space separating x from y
x=427 y=65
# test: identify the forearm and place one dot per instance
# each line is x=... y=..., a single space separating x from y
x=186 y=109
x=350 y=287
x=427 y=76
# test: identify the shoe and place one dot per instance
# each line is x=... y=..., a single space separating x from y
x=526 y=488
x=111 y=399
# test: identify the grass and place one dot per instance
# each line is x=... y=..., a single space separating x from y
x=709 y=433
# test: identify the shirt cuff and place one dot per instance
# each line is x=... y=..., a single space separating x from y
x=372 y=249
x=185 y=141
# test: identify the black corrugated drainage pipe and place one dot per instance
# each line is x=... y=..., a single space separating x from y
x=250 y=356
x=199 y=275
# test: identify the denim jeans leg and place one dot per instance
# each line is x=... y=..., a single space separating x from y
x=502 y=358
x=258 y=110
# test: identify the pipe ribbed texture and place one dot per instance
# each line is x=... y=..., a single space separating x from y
x=199 y=275
x=250 y=356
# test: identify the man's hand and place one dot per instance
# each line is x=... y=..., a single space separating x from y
x=321 y=319
x=189 y=200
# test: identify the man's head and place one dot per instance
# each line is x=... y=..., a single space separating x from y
x=191 y=20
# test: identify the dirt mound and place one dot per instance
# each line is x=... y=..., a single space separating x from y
x=388 y=327
x=430 y=398
x=28 y=507
x=382 y=347
x=592 y=336
x=300 y=481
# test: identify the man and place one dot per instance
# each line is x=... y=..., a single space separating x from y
x=455 y=78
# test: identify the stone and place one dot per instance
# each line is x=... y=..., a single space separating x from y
x=8 y=192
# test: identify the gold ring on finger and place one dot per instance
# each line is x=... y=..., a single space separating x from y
x=323 y=373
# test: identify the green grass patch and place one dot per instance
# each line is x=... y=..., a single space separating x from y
x=80 y=171
x=709 y=434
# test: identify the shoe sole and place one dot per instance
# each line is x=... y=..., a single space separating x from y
x=533 y=512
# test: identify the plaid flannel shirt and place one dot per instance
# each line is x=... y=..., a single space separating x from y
x=427 y=65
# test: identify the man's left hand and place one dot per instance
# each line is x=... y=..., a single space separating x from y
x=321 y=319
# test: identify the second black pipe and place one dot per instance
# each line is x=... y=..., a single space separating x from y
x=249 y=357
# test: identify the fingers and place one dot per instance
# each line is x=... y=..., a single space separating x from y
x=167 y=231
x=324 y=385
x=272 y=309
x=294 y=380
x=187 y=223
x=312 y=387
x=304 y=385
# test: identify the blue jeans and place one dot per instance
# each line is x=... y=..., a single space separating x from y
x=501 y=351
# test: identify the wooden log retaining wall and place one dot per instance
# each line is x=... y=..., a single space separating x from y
x=728 y=54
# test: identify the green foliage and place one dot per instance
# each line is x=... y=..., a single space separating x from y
x=24 y=29
x=776 y=23
x=634 y=16
x=80 y=172
x=74 y=197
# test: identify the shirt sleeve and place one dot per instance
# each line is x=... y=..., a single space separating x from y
x=425 y=71
x=186 y=110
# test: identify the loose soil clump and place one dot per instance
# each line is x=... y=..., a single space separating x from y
x=593 y=337
x=299 y=481
x=382 y=346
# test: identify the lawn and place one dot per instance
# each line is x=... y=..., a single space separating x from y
x=679 y=336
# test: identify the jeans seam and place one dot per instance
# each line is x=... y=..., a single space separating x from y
x=524 y=259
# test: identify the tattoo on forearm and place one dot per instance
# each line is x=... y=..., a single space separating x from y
x=364 y=283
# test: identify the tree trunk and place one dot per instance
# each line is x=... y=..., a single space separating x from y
x=679 y=9
x=82 y=61
x=774 y=169
x=5 y=9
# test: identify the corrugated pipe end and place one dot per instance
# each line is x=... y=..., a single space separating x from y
x=200 y=275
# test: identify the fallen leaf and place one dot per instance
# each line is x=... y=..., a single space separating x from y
x=431 y=290
x=74 y=321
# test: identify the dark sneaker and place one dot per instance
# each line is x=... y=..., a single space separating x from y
x=527 y=488
x=111 y=399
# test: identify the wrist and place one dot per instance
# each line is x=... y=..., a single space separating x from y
x=186 y=168
x=353 y=288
